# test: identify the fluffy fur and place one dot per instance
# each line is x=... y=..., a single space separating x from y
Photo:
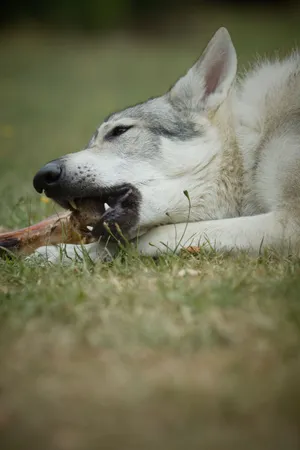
x=234 y=145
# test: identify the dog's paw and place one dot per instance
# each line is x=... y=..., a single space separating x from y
x=51 y=255
x=67 y=254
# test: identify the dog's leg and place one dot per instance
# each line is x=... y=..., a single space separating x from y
x=243 y=233
x=251 y=233
x=67 y=254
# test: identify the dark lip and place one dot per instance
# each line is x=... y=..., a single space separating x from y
x=123 y=213
x=109 y=195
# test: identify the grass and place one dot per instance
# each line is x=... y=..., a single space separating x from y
x=184 y=352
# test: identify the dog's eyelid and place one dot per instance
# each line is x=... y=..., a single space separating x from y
x=118 y=130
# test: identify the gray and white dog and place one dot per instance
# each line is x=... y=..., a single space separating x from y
x=233 y=145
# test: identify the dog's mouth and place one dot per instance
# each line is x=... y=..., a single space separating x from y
x=111 y=211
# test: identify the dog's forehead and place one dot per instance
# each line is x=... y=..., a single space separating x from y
x=151 y=109
x=159 y=116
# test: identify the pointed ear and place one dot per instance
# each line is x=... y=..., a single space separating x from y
x=207 y=83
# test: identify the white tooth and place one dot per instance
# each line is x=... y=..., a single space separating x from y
x=73 y=204
x=106 y=206
x=90 y=228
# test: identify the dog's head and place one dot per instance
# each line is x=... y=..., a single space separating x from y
x=140 y=160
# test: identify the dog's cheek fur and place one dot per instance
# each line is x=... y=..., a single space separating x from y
x=184 y=166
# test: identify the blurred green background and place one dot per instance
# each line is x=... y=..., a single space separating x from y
x=66 y=65
x=97 y=15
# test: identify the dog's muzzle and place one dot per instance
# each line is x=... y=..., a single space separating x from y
x=108 y=210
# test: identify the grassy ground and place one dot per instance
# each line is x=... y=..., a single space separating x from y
x=198 y=352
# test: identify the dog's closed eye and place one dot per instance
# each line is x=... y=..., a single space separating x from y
x=117 y=131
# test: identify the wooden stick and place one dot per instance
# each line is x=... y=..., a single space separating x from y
x=57 y=229
x=62 y=228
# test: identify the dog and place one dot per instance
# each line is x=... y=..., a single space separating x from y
x=214 y=161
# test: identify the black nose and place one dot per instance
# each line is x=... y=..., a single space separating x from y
x=48 y=176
